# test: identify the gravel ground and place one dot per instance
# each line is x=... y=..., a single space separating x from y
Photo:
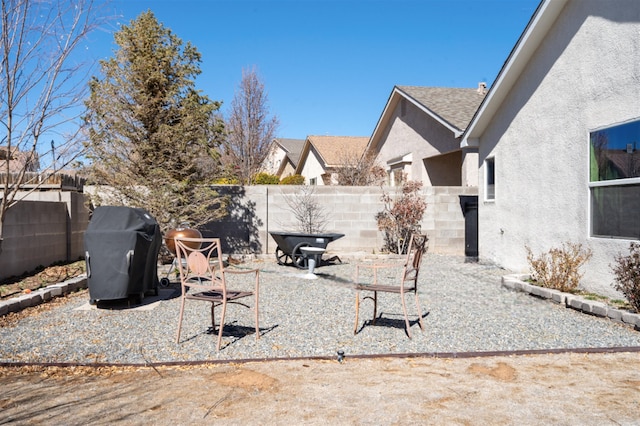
x=464 y=307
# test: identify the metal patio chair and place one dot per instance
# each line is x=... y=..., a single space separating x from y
x=203 y=277
x=407 y=281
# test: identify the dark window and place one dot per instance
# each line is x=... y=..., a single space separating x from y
x=490 y=174
x=614 y=181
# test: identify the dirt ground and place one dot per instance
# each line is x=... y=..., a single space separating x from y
x=586 y=389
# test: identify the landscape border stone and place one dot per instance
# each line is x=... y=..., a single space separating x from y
x=517 y=282
x=27 y=300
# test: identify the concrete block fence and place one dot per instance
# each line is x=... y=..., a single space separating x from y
x=257 y=210
x=49 y=227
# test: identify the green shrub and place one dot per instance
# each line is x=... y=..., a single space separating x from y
x=265 y=179
x=227 y=181
x=627 y=273
x=292 y=180
x=559 y=268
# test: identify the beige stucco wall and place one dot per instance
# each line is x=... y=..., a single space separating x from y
x=411 y=130
x=584 y=76
x=313 y=169
x=274 y=159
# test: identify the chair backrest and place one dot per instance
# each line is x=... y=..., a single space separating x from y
x=200 y=262
x=416 y=248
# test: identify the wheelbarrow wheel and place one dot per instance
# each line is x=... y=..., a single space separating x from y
x=298 y=258
x=282 y=257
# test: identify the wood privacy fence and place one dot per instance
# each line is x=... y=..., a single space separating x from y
x=50 y=226
x=61 y=182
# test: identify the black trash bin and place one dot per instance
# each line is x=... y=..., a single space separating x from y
x=121 y=252
x=469 y=204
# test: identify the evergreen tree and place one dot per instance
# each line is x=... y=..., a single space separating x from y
x=150 y=129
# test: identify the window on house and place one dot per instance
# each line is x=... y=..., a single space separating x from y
x=614 y=181
x=490 y=179
x=313 y=181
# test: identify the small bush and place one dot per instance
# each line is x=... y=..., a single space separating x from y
x=227 y=181
x=627 y=273
x=292 y=180
x=401 y=216
x=559 y=268
x=265 y=179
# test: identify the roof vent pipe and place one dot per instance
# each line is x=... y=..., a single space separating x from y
x=482 y=87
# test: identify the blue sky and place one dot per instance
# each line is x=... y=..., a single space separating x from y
x=329 y=65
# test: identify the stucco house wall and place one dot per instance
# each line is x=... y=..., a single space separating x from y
x=411 y=131
x=313 y=168
x=584 y=75
x=274 y=159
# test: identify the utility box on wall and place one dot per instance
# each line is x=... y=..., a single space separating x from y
x=469 y=205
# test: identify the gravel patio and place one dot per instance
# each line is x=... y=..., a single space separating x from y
x=465 y=309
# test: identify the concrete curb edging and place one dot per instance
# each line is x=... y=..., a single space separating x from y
x=517 y=282
x=36 y=297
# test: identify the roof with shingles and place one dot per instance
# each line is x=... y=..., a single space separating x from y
x=293 y=147
x=334 y=149
x=455 y=106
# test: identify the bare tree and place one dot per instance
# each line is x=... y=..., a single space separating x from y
x=310 y=215
x=360 y=170
x=42 y=85
x=250 y=128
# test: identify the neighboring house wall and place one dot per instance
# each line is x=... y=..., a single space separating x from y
x=419 y=132
x=583 y=76
x=288 y=170
x=411 y=131
x=313 y=169
x=274 y=159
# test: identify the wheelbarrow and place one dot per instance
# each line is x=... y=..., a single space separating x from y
x=289 y=243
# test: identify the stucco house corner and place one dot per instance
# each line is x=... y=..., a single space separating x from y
x=558 y=137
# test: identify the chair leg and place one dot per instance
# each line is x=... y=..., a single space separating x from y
x=355 y=327
x=213 y=317
x=406 y=316
x=375 y=307
x=257 y=315
x=419 y=310
x=224 y=311
x=180 y=321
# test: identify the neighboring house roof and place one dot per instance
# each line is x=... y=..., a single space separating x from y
x=452 y=107
x=533 y=35
x=332 y=151
x=293 y=148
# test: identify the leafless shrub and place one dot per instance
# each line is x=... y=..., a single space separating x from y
x=559 y=268
x=627 y=273
x=360 y=170
x=401 y=216
x=311 y=217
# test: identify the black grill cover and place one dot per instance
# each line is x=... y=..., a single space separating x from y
x=121 y=252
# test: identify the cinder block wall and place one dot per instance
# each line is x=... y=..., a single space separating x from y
x=34 y=234
x=50 y=226
x=47 y=227
x=257 y=210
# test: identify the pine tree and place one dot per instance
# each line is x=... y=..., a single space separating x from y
x=150 y=129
